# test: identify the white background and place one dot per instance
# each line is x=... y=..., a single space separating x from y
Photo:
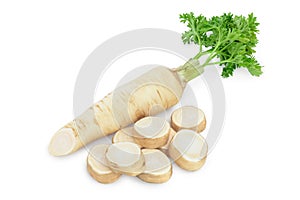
x=42 y=47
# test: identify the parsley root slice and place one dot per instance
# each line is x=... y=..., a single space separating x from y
x=226 y=40
x=125 y=158
x=188 y=149
x=98 y=167
x=151 y=132
x=188 y=117
x=158 y=167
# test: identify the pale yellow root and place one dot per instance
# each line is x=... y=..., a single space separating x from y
x=188 y=117
x=165 y=148
x=158 y=168
x=98 y=167
x=188 y=149
x=159 y=87
x=125 y=158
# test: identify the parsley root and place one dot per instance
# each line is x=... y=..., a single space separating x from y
x=127 y=104
x=226 y=40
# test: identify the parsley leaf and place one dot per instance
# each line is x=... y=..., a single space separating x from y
x=228 y=37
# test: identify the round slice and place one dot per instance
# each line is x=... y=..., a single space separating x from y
x=97 y=166
x=125 y=158
x=124 y=135
x=188 y=149
x=165 y=148
x=151 y=132
x=158 y=168
x=62 y=142
x=188 y=117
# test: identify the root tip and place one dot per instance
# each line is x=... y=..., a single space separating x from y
x=62 y=143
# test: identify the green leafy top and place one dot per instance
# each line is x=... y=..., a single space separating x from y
x=229 y=38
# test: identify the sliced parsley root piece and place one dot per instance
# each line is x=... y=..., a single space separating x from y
x=125 y=158
x=158 y=167
x=188 y=149
x=188 y=117
x=151 y=132
x=98 y=167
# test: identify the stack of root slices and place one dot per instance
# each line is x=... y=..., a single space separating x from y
x=147 y=149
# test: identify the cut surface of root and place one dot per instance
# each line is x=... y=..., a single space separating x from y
x=188 y=149
x=126 y=158
x=62 y=143
x=151 y=132
x=158 y=168
x=97 y=165
x=188 y=117
x=124 y=135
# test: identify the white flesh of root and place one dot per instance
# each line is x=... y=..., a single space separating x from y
x=97 y=165
x=188 y=149
x=125 y=158
x=151 y=132
x=188 y=117
x=158 y=168
x=62 y=142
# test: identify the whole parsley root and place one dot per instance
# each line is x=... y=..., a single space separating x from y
x=226 y=40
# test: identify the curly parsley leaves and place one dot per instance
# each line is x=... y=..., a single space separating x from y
x=228 y=37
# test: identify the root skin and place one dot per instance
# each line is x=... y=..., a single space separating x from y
x=159 y=87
